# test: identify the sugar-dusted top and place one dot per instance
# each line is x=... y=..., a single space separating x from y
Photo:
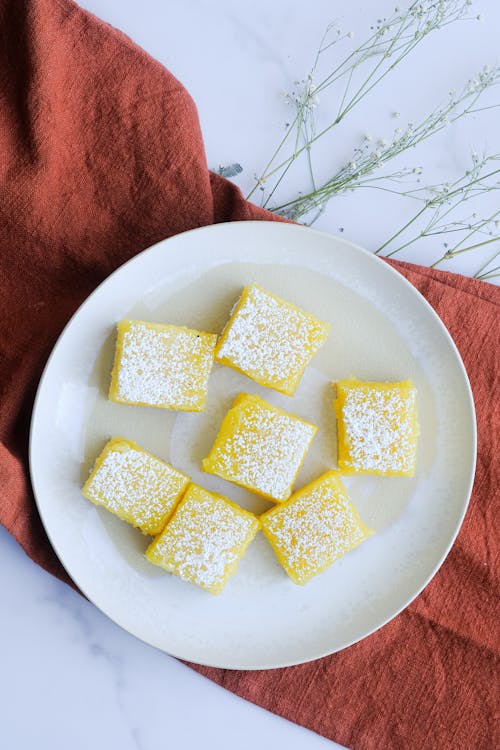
x=163 y=365
x=317 y=525
x=135 y=485
x=205 y=538
x=260 y=447
x=270 y=340
x=379 y=425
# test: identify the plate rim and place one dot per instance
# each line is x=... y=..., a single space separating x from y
x=370 y=257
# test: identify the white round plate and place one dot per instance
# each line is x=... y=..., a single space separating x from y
x=381 y=329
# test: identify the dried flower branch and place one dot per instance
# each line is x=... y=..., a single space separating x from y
x=441 y=201
x=485 y=272
x=366 y=158
x=390 y=42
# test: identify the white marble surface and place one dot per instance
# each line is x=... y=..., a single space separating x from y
x=69 y=676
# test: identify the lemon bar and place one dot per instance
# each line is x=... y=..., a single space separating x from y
x=161 y=365
x=270 y=340
x=315 y=527
x=134 y=485
x=377 y=427
x=260 y=447
x=205 y=539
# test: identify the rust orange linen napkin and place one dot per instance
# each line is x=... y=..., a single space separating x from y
x=101 y=156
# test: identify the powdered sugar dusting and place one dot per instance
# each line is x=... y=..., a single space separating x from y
x=205 y=539
x=265 y=450
x=271 y=340
x=312 y=530
x=137 y=487
x=165 y=366
x=380 y=429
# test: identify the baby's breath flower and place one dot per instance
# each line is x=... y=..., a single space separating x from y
x=441 y=199
x=359 y=73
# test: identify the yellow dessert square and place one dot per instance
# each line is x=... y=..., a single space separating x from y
x=270 y=340
x=205 y=539
x=161 y=365
x=377 y=427
x=135 y=485
x=315 y=527
x=260 y=447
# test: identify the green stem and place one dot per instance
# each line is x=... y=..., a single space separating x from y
x=476 y=245
x=451 y=254
x=408 y=224
x=281 y=177
x=434 y=203
x=477 y=275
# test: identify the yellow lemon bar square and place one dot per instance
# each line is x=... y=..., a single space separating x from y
x=161 y=365
x=315 y=527
x=377 y=427
x=270 y=340
x=205 y=539
x=135 y=485
x=260 y=447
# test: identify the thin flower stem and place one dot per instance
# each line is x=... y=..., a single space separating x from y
x=291 y=125
x=401 y=247
x=477 y=275
x=278 y=149
x=281 y=178
x=455 y=249
x=360 y=185
x=483 y=109
x=357 y=76
x=310 y=168
x=363 y=90
x=433 y=203
x=346 y=89
x=473 y=247
x=424 y=17
x=400 y=231
x=452 y=253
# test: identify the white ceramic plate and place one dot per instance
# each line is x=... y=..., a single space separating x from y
x=382 y=329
